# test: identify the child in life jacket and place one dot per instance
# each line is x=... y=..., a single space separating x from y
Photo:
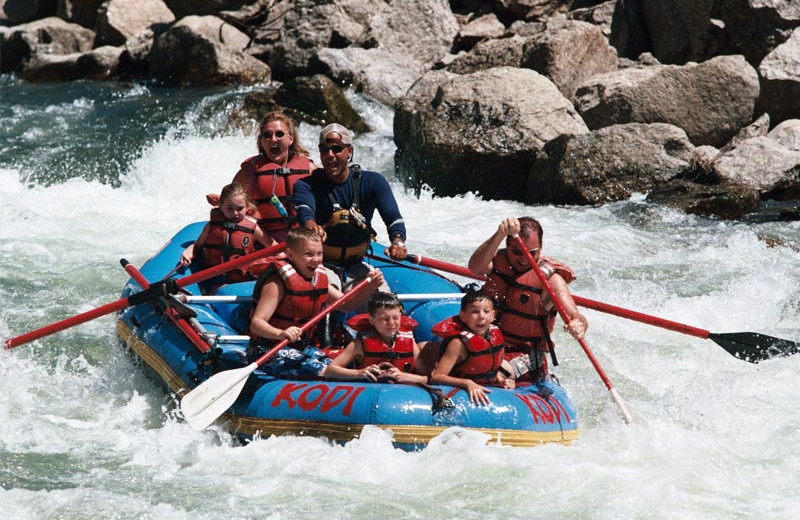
x=289 y=293
x=229 y=233
x=384 y=348
x=472 y=349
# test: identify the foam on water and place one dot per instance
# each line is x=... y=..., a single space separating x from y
x=84 y=430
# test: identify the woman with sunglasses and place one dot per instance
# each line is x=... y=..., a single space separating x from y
x=271 y=175
x=526 y=315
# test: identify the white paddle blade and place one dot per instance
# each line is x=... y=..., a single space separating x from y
x=203 y=405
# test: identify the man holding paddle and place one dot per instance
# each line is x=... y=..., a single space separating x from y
x=526 y=313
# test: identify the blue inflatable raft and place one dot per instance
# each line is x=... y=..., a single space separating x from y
x=183 y=344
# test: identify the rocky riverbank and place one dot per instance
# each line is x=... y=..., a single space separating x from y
x=694 y=102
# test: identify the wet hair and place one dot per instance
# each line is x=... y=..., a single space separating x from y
x=529 y=224
x=295 y=148
x=383 y=300
x=475 y=296
x=235 y=189
x=297 y=236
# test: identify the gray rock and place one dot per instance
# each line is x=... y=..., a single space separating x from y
x=711 y=101
x=204 y=50
x=480 y=131
x=569 y=52
x=383 y=74
x=118 y=20
x=726 y=201
x=49 y=36
x=780 y=80
x=82 y=12
x=481 y=28
x=762 y=163
x=100 y=63
x=503 y=52
x=609 y=164
x=756 y=27
x=787 y=134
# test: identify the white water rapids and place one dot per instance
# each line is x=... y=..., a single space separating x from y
x=84 y=434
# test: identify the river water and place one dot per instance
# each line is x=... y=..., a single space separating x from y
x=92 y=172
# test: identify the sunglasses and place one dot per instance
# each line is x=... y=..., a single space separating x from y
x=268 y=135
x=335 y=148
x=520 y=253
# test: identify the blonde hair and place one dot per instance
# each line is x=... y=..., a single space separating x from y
x=298 y=236
x=235 y=189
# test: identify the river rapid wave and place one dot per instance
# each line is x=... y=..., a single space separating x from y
x=91 y=173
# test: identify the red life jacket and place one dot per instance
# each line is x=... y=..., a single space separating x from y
x=274 y=179
x=227 y=240
x=521 y=315
x=376 y=351
x=485 y=352
x=303 y=297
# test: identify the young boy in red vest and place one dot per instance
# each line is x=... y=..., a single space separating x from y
x=288 y=294
x=383 y=348
x=472 y=349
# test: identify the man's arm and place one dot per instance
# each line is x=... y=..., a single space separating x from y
x=303 y=201
x=380 y=193
x=480 y=262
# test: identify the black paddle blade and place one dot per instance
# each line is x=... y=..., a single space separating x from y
x=754 y=347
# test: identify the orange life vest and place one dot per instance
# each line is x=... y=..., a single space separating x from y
x=521 y=315
x=274 y=179
x=376 y=351
x=227 y=240
x=303 y=297
x=485 y=352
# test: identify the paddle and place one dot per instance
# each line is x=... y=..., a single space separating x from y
x=231 y=298
x=209 y=400
x=155 y=290
x=564 y=316
x=747 y=346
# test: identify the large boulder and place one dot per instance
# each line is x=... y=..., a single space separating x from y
x=183 y=8
x=319 y=100
x=21 y=11
x=780 y=81
x=204 y=50
x=763 y=163
x=118 y=20
x=101 y=63
x=310 y=26
x=419 y=32
x=82 y=12
x=569 y=52
x=532 y=9
x=787 y=134
x=385 y=75
x=726 y=201
x=51 y=68
x=681 y=30
x=756 y=27
x=49 y=36
x=501 y=52
x=609 y=164
x=711 y=101
x=406 y=39
x=479 y=132
x=480 y=28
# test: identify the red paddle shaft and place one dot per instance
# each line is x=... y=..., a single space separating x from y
x=155 y=290
x=564 y=316
x=179 y=322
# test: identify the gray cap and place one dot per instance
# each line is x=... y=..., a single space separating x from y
x=339 y=129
